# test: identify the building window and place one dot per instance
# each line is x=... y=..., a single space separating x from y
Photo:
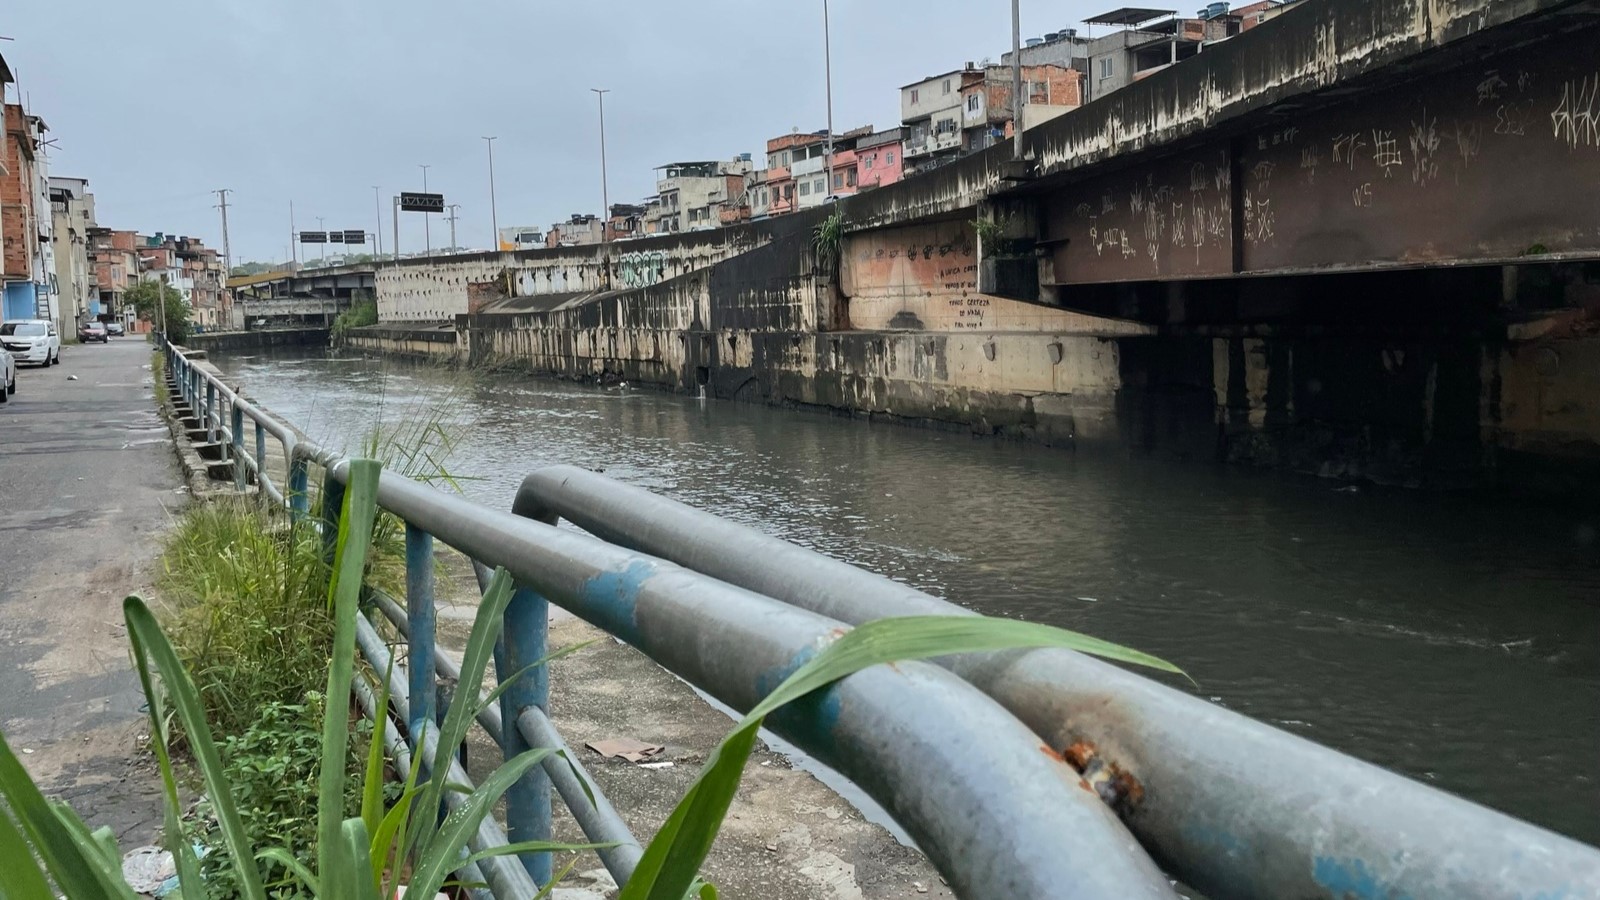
x=805 y=188
x=850 y=177
x=838 y=180
x=913 y=95
x=888 y=159
x=947 y=85
x=1106 y=67
x=788 y=192
x=870 y=159
x=820 y=185
x=972 y=103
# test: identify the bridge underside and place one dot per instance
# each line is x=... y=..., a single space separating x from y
x=1484 y=152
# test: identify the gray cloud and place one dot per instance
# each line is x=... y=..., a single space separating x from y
x=317 y=101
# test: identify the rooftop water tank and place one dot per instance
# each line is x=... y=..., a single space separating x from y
x=1033 y=42
x=1213 y=10
x=1052 y=36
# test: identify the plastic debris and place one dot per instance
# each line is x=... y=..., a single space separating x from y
x=147 y=869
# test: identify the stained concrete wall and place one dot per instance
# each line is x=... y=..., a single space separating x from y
x=441 y=288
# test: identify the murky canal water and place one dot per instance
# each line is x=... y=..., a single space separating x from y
x=1456 y=640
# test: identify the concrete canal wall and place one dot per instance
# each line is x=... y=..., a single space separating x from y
x=265 y=337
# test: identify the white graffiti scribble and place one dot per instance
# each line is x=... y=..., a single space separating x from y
x=1197 y=177
x=1362 y=196
x=1345 y=148
x=1084 y=210
x=1386 y=151
x=1469 y=140
x=1576 y=120
x=1489 y=87
x=1424 y=141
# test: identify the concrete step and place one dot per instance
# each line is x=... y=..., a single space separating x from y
x=219 y=470
x=211 y=451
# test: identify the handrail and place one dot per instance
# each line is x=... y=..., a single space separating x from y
x=1230 y=805
x=995 y=814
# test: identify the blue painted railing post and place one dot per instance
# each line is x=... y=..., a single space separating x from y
x=299 y=498
x=236 y=438
x=211 y=405
x=524 y=641
x=420 y=643
x=261 y=457
x=332 y=507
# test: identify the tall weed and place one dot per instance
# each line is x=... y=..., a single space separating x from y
x=246 y=607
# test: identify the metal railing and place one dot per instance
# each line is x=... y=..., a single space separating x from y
x=953 y=751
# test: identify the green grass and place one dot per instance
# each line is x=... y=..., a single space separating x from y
x=360 y=313
x=246 y=608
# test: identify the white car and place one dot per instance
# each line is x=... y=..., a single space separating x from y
x=8 y=376
x=31 y=341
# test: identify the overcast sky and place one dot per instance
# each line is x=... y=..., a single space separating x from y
x=316 y=101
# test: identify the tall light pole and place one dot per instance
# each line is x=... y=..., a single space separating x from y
x=427 y=237
x=1016 y=81
x=452 y=217
x=323 y=259
x=827 y=66
x=377 y=209
x=494 y=216
x=605 y=193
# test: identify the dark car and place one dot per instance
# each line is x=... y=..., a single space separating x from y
x=115 y=329
x=93 y=331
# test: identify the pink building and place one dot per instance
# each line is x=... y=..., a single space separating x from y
x=878 y=159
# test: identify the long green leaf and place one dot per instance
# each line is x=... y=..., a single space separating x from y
x=350 y=559
x=296 y=868
x=443 y=853
x=171 y=828
x=536 y=847
x=77 y=869
x=151 y=645
x=544 y=660
x=22 y=880
x=372 y=777
x=393 y=823
x=353 y=879
x=669 y=866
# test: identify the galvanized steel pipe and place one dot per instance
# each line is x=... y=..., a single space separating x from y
x=1230 y=805
x=998 y=813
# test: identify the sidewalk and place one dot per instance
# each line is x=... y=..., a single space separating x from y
x=89 y=476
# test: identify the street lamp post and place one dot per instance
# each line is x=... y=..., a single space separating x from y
x=377 y=209
x=605 y=193
x=827 y=67
x=494 y=216
x=427 y=237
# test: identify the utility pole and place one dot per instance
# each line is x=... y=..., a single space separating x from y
x=377 y=209
x=1016 y=80
x=394 y=217
x=294 y=237
x=452 y=217
x=323 y=259
x=426 y=216
x=494 y=215
x=827 y=65
x=227 y=256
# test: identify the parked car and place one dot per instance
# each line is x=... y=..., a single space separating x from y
x=93 y=331
x=8 y=376
x=31 y=341
x=115 y=329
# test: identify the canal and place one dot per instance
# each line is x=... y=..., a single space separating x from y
x=1453 y=639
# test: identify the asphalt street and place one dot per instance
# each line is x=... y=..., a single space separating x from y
x=89 y=481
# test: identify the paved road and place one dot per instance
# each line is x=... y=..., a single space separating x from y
x=88 y=475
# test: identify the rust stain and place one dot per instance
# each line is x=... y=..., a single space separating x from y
x=1047 y=751
x=1079 y=755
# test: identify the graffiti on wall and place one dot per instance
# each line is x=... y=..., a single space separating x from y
x=642 y=268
